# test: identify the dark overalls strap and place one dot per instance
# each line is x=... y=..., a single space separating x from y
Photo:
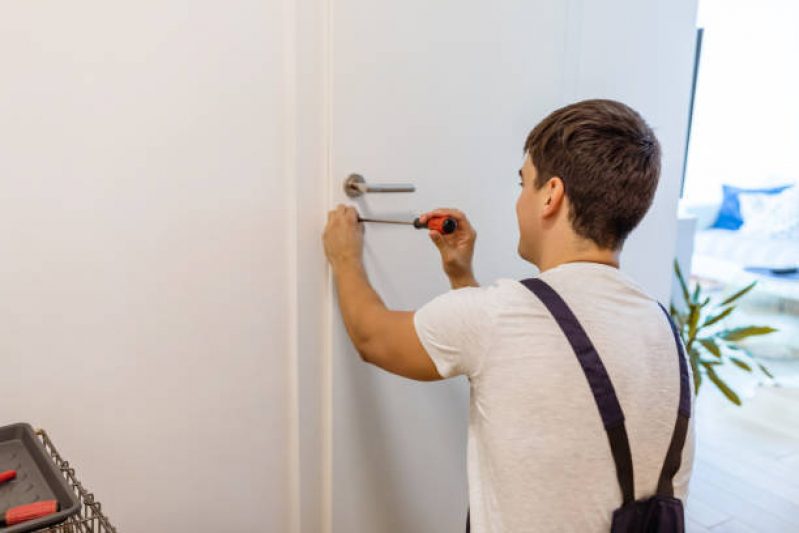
x=674 y=455
x=598 y=380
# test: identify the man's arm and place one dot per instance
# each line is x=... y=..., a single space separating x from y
x=384 y=338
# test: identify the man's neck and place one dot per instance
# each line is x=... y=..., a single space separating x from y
x=592 y=255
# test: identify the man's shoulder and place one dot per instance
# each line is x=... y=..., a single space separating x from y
x=507 y=296
x=485 y=299
x=497 y=292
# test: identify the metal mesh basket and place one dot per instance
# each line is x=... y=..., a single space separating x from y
x=90 y=518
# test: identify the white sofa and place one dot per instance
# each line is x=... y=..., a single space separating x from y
x=732 y=246
x=719 y=261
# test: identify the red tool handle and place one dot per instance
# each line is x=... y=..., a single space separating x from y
x=442 y=224
x=31 y=511
x=5 y=476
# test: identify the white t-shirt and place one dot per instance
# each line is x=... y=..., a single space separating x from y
x=538 y=454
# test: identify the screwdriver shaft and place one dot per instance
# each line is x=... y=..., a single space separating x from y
x=384 y=221
x=442 y=224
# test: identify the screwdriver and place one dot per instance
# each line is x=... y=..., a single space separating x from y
x=7 y=476
x=444 y=225
x=30 y=511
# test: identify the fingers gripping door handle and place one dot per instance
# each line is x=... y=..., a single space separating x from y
x=355 y=186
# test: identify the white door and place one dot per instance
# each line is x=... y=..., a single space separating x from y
x=441 y=95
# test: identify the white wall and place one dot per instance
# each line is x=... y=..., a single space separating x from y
x=145 y=314
x=641 y=53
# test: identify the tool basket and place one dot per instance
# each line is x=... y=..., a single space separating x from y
x=90 y=518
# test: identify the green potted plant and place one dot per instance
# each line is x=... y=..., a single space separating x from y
x=710 y=347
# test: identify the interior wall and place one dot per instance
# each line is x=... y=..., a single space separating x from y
x=145 y=253
x=640 y=53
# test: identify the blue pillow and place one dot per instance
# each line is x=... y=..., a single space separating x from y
x=730 y=210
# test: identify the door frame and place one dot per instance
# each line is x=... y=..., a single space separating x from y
x=307 y=148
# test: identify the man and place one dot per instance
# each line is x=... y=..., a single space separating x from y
x=539 y=457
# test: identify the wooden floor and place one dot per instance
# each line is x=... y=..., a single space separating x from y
x=746 y=472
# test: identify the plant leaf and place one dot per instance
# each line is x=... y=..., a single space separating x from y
x=739 y=294
x=711 y=346
x=766 y=371
x=693 y=357
x=740 y=364
x=695 y=296
x=681 y=322
x=713 y=319
x=707 y=301
x=682 y=282
x=737 y=334
x=677 y=317
x=693 y=320
x=723 y=387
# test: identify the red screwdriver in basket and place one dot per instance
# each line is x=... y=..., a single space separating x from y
x=30 y=511
x=7 y=476
x=23 y=513
x=441 y=224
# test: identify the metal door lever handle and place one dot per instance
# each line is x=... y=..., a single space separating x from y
x=355 y=186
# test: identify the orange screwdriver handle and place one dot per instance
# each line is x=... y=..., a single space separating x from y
x=31 y=511
x=7 y=476
x=444 y=225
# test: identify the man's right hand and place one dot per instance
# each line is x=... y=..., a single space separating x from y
x=456 y=249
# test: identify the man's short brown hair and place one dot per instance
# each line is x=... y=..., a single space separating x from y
x=609 y=161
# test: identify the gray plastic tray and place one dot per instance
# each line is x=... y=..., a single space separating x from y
x=37 y=479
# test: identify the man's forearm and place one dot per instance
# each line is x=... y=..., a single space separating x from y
x=359 y=303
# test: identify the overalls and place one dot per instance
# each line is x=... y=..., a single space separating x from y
x=662 y=512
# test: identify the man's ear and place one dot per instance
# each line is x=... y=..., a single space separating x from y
x=553 y=196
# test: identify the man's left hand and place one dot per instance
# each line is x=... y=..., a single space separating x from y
x=343 y=236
